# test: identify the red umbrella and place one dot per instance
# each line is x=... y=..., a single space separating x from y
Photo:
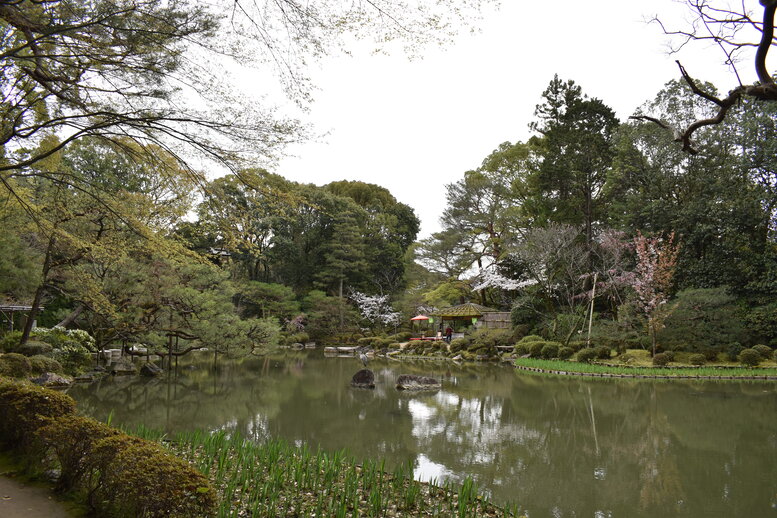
x=420 y=317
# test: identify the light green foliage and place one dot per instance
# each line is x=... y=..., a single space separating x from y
x=697 y=359
x=59 y=337
x=661 y=359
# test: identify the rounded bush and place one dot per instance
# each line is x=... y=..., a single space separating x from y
x=587 y=355
x=15 y=365
x=40 y=364
x=711 y=354
x=24 y=408
x=9 y=341
x=775 y=356
x=750 y=357
x=670 y=355
x=458 y=344
x=603 y=352
x=565 y=353
x=535 y=349
x=697 y=359
x=764 y=350
x=549 y=350
x=661 y=360
x=521 y=349
x=33 y=348
x=733 y=350
x=531 y=338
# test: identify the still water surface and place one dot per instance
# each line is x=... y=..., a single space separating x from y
x=559 y=447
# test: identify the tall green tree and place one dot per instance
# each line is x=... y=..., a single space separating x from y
x=576 y=151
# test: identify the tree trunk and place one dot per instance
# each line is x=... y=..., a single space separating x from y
x=38 y=293
x=72 y=316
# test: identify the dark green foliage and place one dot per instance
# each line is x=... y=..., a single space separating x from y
x=521 y=349
x=762 y=322
x=24 y=408
x=535 y=348
x=401 y=337
x=711 y=354
x=122 y=476
x=564 y=353
x=15 y=365
x=299 y=338
x=764 y=350
x=32 y=348
x=486 y=341
x=138 y=478
x=9 y=341
x=733 y=350
x=531 y=338
x=670 y=355
x=750 y=357
x=587 y=355
x=40 y=364
x=661 y=359
x=524 y=312
x=700 y=319
x=458 y=344
x=603 y=352
x=775 y=356
x=73 y=357
x=549 y=350
x=71 y=439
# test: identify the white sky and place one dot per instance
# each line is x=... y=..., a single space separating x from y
x=413 y=126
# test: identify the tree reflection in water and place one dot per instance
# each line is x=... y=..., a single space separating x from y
x=559 y=447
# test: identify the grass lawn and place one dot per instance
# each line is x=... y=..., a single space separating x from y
x=639 y=362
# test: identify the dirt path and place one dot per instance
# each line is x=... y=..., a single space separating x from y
x=19 y=500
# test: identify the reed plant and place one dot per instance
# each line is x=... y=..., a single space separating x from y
x=278 y=479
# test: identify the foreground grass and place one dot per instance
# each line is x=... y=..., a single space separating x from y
x=592 y=368
x=277 y=479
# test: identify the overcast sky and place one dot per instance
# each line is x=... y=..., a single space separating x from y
x=413 y=126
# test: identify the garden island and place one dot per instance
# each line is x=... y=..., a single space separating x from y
x=187 y=331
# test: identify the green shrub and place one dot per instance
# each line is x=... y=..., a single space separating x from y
x=577 y=345
x=603 y=352
x=15 y=365
x=521 y=349
x=298 y=338
x=459 y=344
x=775 y=356
x=697 y=359
x=10 y=341
x=40 y=364
x=73 y=357
x=549 y=350
x=661 y=359
x=72 y=439
x=564 y=353
x=486 y=341
x=670 y=355
x=33 y=348
x=24 y=408
x=60 y=337
x=136 y=477
x=711 y=354
x=535 y=349
x=401 y=337
x=531 y=338
x=750 y=357
x=764 y=350
x=733 y=350
x=587 y=355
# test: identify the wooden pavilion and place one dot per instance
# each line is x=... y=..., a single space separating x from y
x=463 y=316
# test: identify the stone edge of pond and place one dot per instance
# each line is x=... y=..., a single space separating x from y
x=641 y=376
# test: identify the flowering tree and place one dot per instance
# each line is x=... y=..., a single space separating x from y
x=376 y=309
x=656 y=261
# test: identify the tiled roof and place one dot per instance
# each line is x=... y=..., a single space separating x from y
x=469 y=309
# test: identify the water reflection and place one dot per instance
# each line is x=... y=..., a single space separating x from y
x=559 y=447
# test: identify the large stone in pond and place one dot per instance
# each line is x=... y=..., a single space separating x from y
x=413 y=382
x=51 y=380
x=363 y=379
x=150 y=370
x=123 y=367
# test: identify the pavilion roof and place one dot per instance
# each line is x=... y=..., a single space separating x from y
x=470 y=309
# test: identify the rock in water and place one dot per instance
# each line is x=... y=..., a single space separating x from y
x=123 y=368
x=413 y=382
x=150 y=370
x=51 y=380
x=363 y=379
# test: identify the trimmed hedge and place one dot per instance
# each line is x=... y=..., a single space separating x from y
x=40 y=364
x=764 y=350
x=750 y=357
x=121 y=476
x=15 y=365
x=587 y=355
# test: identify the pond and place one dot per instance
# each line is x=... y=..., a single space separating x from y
x=559 y=447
